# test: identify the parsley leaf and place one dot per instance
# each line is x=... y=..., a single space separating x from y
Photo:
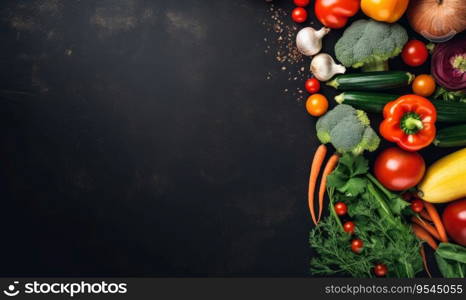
x=353 y=187
x=336 y=180
x=353 y=165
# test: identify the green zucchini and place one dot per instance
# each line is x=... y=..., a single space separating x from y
x=367 y=101
x=453 y=136
x=372 y=81
x=448 y=112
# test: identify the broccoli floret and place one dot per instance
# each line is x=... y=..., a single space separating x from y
x=370 y=142
x=348 y=130
x=363 y=118
x=369 y=44
x=325 y=123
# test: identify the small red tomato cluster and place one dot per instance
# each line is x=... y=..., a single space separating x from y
x=357 y=245
x=316 y=104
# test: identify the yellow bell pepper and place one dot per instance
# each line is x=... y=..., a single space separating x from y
x=384 y=10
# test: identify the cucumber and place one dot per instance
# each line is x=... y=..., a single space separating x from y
x=448 y=112
x=372 y=81
x=453 y=136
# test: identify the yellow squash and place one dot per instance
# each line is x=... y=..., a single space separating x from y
x=384 y=10
x=445 y=180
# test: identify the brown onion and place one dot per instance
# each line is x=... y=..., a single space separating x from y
x=449 y=64
x=437 y=20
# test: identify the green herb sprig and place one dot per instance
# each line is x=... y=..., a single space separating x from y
x=380 y=224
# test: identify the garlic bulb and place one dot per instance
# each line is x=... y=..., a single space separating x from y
x=309 y=40
x=324 y=67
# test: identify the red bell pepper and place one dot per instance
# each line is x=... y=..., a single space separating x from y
x=409 y=121
x=335 y=13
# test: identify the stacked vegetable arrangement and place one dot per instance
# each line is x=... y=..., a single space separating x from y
x=378 y=222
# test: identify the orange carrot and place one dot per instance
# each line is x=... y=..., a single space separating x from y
x=424 y=235
x=331 y=164
x=426 y=226
x=319 y=157
x=425 y=215
x=432 y=211
x=424 y=261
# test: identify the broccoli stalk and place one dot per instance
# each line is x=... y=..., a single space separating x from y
x=369 y=44
x=348 y=130
x=375 y=66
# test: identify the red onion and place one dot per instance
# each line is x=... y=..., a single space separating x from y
x=449 y=63
x=437 y=20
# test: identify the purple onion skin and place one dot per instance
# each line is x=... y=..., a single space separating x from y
x=442 y=63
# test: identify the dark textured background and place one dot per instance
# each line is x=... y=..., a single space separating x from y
x=141 y=138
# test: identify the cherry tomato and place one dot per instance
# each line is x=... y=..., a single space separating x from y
x=424 y=85
x=454 y=220
x=312 y=85
x=302 y=3
x=357 y=245
x=407 y=196
x=299 y=14
x=349 y=227
x=414 y=53
x=380 y=270
x=317 y=105
x=399 y=170
x=340 y=208
x=417 y=205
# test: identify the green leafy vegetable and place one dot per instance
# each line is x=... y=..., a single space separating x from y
x=455 y=96
x=377 y=214
x=451 y=260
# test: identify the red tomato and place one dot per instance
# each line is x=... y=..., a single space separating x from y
x=302 y=3
x=340 y=208
x=356 y=245
x=399 y=170
x=414 y=53
x=417 y=205
x=312 y=85
x=454 y=220
x=424 y=85
x=299 y=14
x=349 y=227
x=380 y=270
